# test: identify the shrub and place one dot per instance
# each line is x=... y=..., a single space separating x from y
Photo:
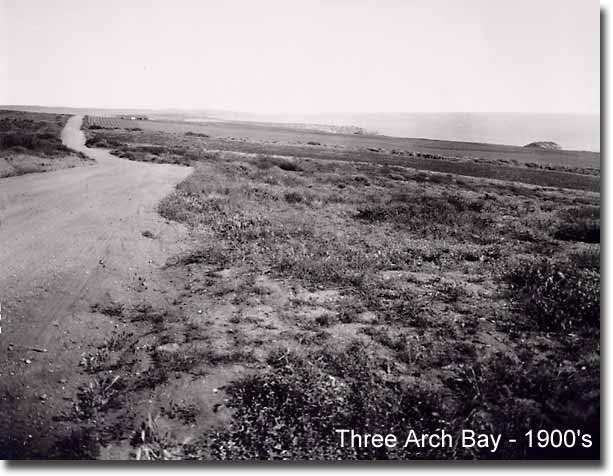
x=44 y=142
x=556 y=295
x=292 y=411
x=409 y=208
x=586 y=259
x=441 y=179
x=103 y=143
x=430 y=215
x=285 y=414
x=267 y=162
x=579 y=224
x=325 y=261
x=510 y=396
x=293 y=197
x=362 y=180
x=17 y=139
x=197 y=134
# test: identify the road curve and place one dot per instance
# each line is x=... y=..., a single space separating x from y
x=69 y=238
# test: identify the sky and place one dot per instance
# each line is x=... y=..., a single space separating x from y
x=310 y=56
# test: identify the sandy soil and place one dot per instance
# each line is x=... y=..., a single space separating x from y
x=69 y=239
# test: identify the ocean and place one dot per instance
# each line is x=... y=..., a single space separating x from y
x=570 y=131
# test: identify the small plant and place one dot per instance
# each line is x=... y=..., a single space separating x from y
x=182 y=360
x=118 y=341
x=97 y=396
x=402 y=307
x=152 y=444
x=186 y=413
x=96 y=361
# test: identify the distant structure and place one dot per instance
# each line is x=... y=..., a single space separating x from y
x=135 y=118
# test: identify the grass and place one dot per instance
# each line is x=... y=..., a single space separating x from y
x=431 y=215
x=38 y=133
x=579 y=224
x=328 y=294
x=96 y=397
x=292 y=411
x=351 y=239
x=555 y=169
x=265 y=138
x=266 y=162
x=31 y=142
x=557 y=294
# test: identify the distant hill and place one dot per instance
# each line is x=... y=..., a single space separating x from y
x=544 y=145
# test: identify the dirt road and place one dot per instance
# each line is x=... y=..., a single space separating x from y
x=69 y=239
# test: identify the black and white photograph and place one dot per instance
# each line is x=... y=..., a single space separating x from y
x=301 y=231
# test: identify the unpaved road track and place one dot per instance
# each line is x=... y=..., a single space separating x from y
x=69 y=239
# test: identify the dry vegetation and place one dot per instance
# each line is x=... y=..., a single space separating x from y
x=568 y=169
x=30 y=142
x=325 y=294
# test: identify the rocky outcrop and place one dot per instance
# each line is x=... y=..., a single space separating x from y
x=548 y=145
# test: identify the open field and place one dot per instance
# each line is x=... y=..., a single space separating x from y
x=239 y=233
x=31 y=142
x=327 y=291
x=277 y=134
x=538 y=167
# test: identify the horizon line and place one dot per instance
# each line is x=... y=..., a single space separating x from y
x=299 y=113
